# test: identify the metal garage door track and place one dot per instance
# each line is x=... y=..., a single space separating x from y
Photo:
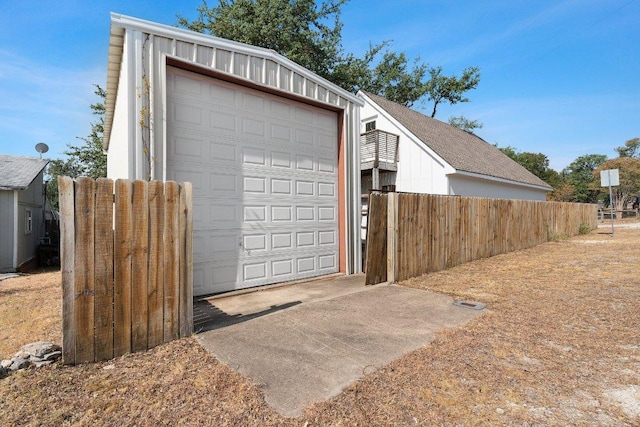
x=305 y=343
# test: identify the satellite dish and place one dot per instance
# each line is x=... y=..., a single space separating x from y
x=41 y=147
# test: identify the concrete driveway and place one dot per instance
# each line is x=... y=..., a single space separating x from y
x=306 y=342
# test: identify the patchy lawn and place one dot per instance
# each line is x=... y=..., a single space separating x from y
x=559 y=344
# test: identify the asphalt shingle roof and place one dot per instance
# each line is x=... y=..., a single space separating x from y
x=17 y=172
x=464 y=151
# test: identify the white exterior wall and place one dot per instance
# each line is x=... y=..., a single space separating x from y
x=469 y=186
x=420 y=170
x=137 y=152
x=121 y=152
x=7 y=235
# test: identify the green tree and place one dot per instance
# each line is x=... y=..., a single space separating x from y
x=461 y=122
x=536 y=163
x=305 y=32
x=86 y=159
x=450 y=89
x=579 y=174
x=629 y=173
x=310 y=33
x=631 y=148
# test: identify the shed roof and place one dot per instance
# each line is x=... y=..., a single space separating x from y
x=17 y=172
x=463 y=150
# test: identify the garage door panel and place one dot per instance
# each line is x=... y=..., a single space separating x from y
x=264 y=171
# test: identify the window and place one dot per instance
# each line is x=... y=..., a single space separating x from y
x=28 y=221
x=370 y=126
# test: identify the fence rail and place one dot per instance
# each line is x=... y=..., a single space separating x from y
x=412 y=234
x=126 y=251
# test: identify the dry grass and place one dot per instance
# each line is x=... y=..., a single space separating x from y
x=30 y=310
x=557 y=345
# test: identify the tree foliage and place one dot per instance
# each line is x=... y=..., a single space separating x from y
x=451 y=89
x=536 y=163
x=86 y=159
x=629 y=173
x=310 y=33
x=461 y=122
x=631 y=148
x=305 y=32
x=579 y=174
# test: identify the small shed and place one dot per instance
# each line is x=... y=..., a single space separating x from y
x=270 y=147
x=419 y=154
x=21 y=210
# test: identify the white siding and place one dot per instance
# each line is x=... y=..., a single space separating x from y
x=136 y=151
x=420 y=170
x=121 y=154
x=475 y=187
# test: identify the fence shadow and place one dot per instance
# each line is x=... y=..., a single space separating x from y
x=208 y=317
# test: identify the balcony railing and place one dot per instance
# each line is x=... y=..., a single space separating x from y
x=379 y=149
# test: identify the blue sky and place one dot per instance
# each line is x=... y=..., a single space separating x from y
x=558 y=77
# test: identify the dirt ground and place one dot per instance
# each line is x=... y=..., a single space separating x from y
x=558 y=344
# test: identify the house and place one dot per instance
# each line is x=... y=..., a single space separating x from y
x=21 y=210
x=271 y=149
x=404 y=150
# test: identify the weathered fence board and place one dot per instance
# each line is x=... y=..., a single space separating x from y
x=377 y=242
x=172 y=257
x=104 y=269
x=67 y=263
x=122 y=268
x=127 y=266
x=139 y=265
x=84 y=280
x=426 y=233
x=155 y=287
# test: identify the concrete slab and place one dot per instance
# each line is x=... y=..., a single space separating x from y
x=303 y=345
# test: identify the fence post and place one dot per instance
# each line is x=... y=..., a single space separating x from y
x=186 y=260
x=67 y=262
x=392 y=237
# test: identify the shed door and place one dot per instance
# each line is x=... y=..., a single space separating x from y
x=264 y=173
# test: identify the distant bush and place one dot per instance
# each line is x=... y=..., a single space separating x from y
x=584 y=229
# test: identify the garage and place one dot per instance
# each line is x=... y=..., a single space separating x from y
x=270 y=148
x=264 y=171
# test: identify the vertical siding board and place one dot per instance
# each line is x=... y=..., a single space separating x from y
x=171 y=260
x=67 y=262
x=155 y=289
x=186 y=264
x=122 y=269
x=104 y=270
x=139 y=266
x=84 y=279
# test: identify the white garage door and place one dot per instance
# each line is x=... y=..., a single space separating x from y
x=264 y=173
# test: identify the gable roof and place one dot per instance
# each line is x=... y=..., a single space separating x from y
x=463 y=150
x=17 y=172
x=200 y=49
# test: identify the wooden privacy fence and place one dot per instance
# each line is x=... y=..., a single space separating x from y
x=127 y=277
x=412 y=234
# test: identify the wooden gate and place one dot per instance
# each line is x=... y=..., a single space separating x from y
x=126 y=253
